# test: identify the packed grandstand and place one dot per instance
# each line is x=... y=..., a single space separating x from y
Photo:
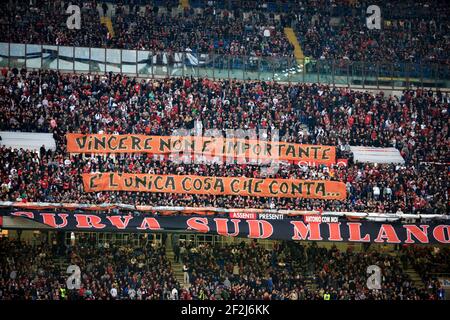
x=41 y=182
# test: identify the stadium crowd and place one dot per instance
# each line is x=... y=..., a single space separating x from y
x=107 y=273
x=416 y=123
x=326 y=29
x=223 y=32
x=236 y=34
x=429 y=263
x=233 y=272
x=411 y=31
x=251 y=271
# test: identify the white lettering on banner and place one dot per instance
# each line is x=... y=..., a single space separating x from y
x=330 y=219
x=241 y=215
x=271 y=216
x=319 y=219
x=312 y=218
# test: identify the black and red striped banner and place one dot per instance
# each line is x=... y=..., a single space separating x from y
x=264 y=227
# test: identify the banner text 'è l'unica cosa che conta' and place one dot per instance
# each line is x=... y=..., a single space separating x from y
x=192 y=184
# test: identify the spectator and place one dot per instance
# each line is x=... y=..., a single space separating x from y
x=185 y=274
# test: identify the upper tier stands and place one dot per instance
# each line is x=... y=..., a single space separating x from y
x=326 y=29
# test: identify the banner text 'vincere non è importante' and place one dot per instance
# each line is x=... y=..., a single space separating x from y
x=286 y=229
x=192 y=184
x=207 y=146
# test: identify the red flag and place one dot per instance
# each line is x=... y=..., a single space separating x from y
x=342 y=162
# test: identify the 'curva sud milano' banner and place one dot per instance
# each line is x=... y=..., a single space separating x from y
x=248 y=227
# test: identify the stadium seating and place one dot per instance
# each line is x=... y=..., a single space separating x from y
x=150 y=30
x=326 y=29
x=290 y=271
x=415 y=123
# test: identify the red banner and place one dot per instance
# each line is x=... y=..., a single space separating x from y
x=207 y=146
x=191 y=184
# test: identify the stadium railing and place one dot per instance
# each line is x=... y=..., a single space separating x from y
x=150 y=64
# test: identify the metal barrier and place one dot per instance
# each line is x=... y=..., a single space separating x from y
x=219 y=66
